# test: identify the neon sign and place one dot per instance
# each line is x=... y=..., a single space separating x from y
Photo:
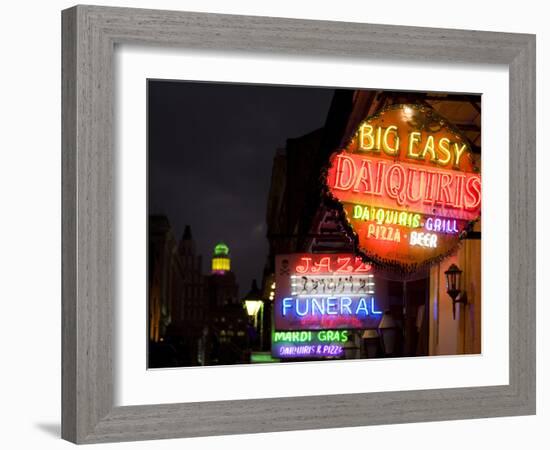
x=328 y=264
x=308 y=344
x=398 y=183
x=320 y=285
x=320 y=291
x=322 y=336
x=386 y=216
x=329 y=306
x=308 y=351
x=428 y=240
x=408 y=185
x=441 y=225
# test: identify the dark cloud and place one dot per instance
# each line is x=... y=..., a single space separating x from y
x=211 y=148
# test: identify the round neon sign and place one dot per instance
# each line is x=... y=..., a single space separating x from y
x=408 y=185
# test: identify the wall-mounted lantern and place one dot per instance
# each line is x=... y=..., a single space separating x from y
x=453 y=277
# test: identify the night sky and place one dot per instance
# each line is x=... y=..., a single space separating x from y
x=211 y=148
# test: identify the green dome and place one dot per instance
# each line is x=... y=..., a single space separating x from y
x=221 y=249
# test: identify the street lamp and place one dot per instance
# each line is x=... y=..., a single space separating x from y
x=253 y=302
x=453 y=276
x=387 y=329
x=252 y=308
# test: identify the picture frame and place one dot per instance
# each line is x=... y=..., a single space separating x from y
x=90 y=34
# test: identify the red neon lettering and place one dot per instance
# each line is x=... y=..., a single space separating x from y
x=306 y=265
x=364 y=178
x=472 y=198
x=444 y=196
x=429 y=191
x=344 y=264
x=345 y=167
x=459 y=191
x=356 y=180
x=395 y=183
x=330 y=264
x=324 y=263
x=362 y=267
x=411 y=182
x=380 y=170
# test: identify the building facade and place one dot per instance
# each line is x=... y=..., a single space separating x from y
x=178 y=302
x=227 y=341
x=299 y=219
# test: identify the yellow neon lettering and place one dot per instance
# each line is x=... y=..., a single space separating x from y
x=458 y=153
x=366 y=141
x=429 y=147
x=444 y=146
x=414 y=138
x=385 y=144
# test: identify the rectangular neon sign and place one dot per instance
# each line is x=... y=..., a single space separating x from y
x=308 y=344
x=322 y=285
x=307 y=351
x=324 y=291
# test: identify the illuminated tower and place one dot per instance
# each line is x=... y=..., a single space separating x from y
x=221 y=262
x=223 y=288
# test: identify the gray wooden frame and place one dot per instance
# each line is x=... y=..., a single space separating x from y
x=89 y=36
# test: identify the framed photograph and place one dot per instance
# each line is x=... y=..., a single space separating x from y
x=278 y=224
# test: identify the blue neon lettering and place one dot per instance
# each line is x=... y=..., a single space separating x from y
x=345 y=303
x=320 y=306
x=362 y=306
x=373 y=311
x=298 y=309
x=286 y=305
x=429 y=224
x=331 y=305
